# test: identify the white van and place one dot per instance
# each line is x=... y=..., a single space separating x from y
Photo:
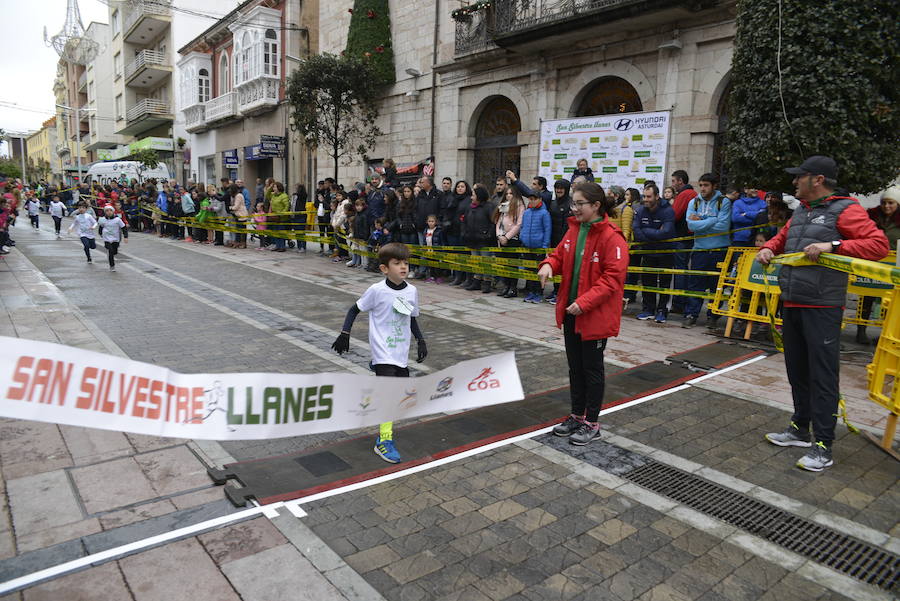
x=124 y=171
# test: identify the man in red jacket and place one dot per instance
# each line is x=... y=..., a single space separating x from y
x=814 y=298
x=592 y=259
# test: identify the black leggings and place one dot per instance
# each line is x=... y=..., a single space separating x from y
x=391 y=371
x=587 y=376
x=88 y=244
x=112 y=249
x=57 y=224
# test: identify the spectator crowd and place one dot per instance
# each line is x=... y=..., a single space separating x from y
x=680 y=226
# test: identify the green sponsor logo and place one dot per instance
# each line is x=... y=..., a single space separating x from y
x=611 y=169
x=637 y=137
x=653 y=169
x=641 y=153
x=598 y=179
x=594 y=140
x=639 y=180
x=281 y=405
x=568 y=169
x=758 y=275
x=560 y=155
x=556 y=142
x=623 y=162
x=598 y=155
x=545 y=163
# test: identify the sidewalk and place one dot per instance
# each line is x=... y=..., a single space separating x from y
x=67 y=492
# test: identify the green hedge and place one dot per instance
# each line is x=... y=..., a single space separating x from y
x=370 y=37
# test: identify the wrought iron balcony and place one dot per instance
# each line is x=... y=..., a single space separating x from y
x=475 y=32
x=525 y=21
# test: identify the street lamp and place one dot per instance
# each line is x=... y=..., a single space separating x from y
x=77 y=130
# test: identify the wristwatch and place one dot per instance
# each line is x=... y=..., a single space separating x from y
x=835 y=245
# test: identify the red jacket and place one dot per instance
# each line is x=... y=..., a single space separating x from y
x=861 y=237
x=601 y=281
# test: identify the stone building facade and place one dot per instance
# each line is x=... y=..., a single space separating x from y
x=475 y=99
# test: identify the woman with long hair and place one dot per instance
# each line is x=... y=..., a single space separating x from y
x=593 y=261
x=478 y=231
x=508 y=218
x=239 y=213
x=403 y=227
x=454 y=213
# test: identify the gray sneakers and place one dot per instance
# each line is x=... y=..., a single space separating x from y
x=791 y=437
x=818 y=458
x=585 y=433
x=568 y=427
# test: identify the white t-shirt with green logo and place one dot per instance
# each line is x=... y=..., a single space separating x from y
x=390 y=313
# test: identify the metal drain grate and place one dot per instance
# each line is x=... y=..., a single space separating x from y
x=840 y=552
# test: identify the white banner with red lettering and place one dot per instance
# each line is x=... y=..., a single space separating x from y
x=59 y=384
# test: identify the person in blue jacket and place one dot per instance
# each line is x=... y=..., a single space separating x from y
x=654 y=225
x=162 y=203
x=743 y=214
x=535 y=233
x=708 y=217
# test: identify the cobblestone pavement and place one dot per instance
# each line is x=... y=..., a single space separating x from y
x=535 y=519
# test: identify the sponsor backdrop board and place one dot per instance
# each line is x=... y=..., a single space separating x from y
x=625 y=149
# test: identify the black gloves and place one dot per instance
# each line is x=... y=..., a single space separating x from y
x=342 y=344
x=423 y=351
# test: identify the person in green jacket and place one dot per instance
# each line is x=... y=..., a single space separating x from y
x=278 y=203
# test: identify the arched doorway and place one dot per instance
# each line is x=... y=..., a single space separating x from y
x=609 y=95
x=718 y=161
x=496 y=141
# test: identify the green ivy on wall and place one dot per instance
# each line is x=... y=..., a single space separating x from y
x=369 y=37
x=839 y=80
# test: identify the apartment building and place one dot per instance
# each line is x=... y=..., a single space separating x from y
x=41 y=148
x=96 y=83
x=66 y=90
x=231 y=92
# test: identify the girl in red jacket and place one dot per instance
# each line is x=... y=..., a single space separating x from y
x=592 y=259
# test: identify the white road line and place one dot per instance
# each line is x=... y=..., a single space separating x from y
x=294 y=505
x=336 y=359
x=363 y=345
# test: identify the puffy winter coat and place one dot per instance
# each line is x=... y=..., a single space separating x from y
x=601 y=281
x=536 y=227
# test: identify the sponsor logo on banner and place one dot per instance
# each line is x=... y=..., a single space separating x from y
x=411 y=397
x=483 y=381
x=443 y=389
x=365 y=401
x=624 y=124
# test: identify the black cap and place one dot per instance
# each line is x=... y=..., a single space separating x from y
x=816 y=165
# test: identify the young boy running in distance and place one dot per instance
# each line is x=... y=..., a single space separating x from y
x=393 y=306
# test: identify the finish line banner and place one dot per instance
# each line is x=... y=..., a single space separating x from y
x=48 y=382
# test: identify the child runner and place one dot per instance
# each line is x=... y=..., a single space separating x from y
x=112 y=229
x=34 y=209
x=57 y=209
x=393 y=306
x=85 y=223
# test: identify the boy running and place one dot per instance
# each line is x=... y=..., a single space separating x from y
x=57 y=210
x=393 y=306
x=33 y=208
x=85 y=223
x=112 y=229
